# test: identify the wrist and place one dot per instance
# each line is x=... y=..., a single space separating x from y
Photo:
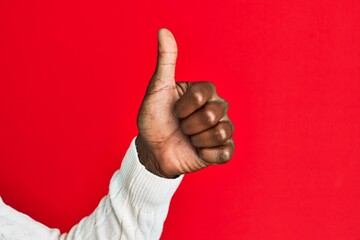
x=148 y=159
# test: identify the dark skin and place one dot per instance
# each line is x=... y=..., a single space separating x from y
x=183 y=126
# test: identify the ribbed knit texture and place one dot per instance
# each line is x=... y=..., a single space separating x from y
x=135 y=208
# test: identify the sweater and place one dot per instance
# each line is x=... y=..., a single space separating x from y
x=135 y=208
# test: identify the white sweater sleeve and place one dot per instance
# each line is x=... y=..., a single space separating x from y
x=135 y=208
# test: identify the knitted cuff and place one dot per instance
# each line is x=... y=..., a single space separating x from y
x=144 y=189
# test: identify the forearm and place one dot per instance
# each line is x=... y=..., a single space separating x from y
x=135 y=208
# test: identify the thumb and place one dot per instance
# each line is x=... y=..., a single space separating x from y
x=166 y=60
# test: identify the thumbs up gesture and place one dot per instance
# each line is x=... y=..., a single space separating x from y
x=183 y=126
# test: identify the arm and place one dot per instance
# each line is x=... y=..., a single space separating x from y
x=135 y=208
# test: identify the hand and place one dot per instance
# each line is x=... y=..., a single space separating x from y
x=183 y=126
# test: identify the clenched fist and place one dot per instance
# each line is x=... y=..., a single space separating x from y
x=183 y=126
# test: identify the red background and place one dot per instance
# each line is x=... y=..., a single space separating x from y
x=73 y=74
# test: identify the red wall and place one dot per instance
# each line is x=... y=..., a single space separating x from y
x=73 y=73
